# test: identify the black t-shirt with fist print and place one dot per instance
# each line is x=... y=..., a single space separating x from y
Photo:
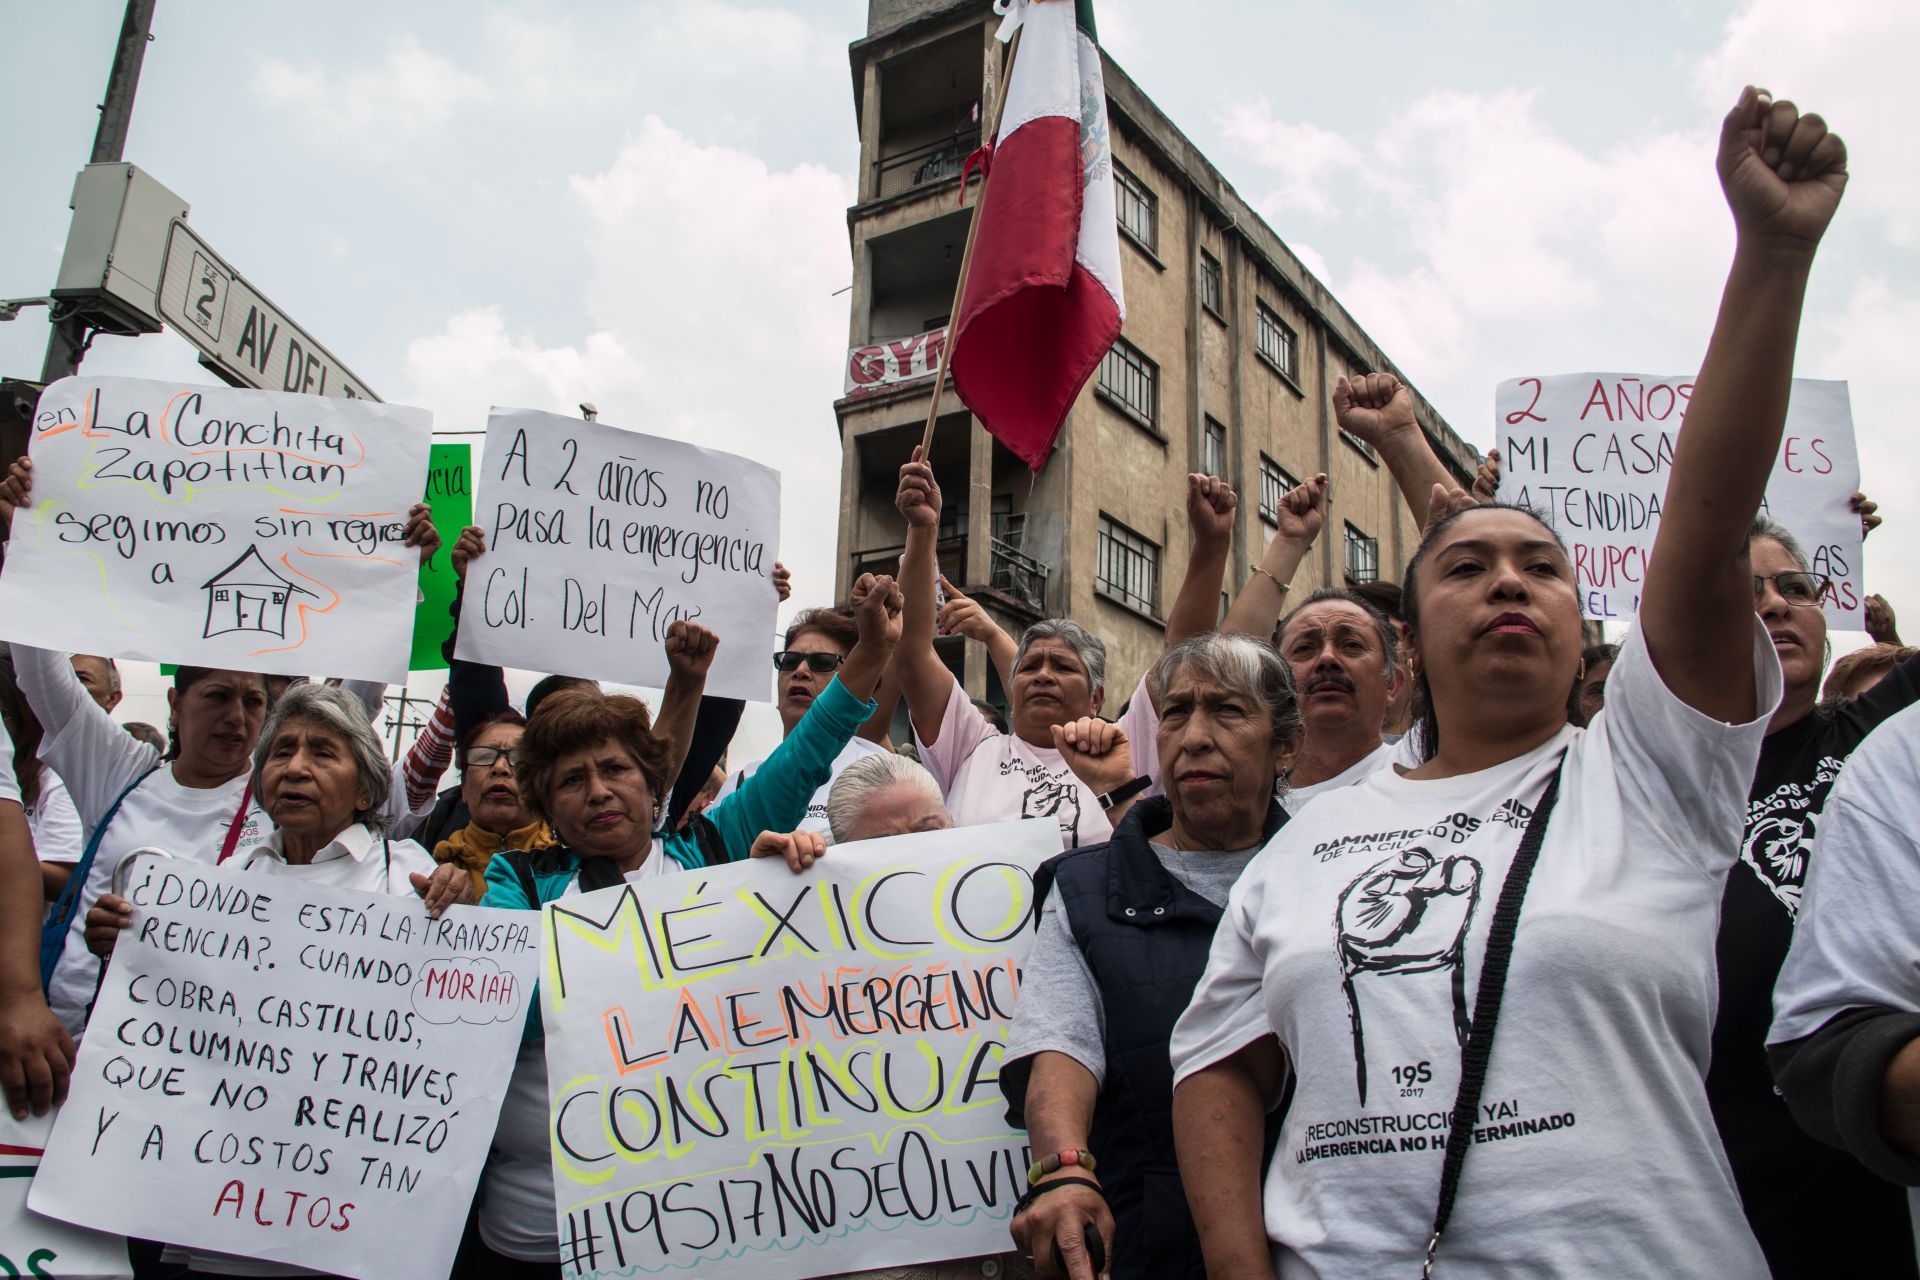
x=1812 y=1206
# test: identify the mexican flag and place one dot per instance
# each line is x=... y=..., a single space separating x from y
x=1042 y=301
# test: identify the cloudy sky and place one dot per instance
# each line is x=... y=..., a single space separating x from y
x=643 y=205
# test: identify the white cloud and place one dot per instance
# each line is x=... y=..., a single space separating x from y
x=710 y=297
x=1304 y=157
x=732 y=37
x=1839 y=57
x=408 y=92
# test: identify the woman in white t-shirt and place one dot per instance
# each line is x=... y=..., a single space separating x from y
x=1042 y=767
x=1355 y=950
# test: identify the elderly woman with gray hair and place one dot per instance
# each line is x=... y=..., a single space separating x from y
x=321 y=775
x=1123 y=939
x=1059 y=761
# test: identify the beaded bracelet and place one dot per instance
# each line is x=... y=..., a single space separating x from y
x=1058 y=1160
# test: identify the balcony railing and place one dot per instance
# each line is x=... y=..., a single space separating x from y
x=1016 y=576
x=1019 y=575
x=930 y=162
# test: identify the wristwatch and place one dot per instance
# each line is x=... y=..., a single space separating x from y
x=1125 y=792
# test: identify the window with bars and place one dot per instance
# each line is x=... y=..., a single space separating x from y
x=1132 y=381
x=1274 y=484
x=1274 y=342
x=1363 y=556
x=1138 y=208
x=1128 y=568
x=1212 y=290
x=1213 y=448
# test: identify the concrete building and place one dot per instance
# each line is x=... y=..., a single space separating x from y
x=1226 y=364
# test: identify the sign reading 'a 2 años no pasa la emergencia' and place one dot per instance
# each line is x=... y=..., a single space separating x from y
x=242 y=336
x=1593 y=452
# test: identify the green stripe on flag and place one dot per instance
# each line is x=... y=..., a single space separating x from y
x=19 y=1171
x=1083 y=18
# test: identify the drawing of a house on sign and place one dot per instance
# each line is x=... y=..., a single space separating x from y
x=249 y=595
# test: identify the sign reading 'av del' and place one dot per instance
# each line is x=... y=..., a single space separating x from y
x=242 y=336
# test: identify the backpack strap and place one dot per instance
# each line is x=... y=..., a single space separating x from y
x=53 y=931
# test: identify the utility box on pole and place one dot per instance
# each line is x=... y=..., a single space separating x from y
x=117 y=248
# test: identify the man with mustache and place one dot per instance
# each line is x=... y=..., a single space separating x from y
x=1345 y=659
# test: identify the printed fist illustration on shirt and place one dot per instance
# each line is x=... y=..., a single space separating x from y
x=1408 y=914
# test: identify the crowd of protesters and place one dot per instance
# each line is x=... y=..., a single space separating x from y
x=1326 y=851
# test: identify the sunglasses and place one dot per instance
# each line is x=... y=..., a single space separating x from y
x=1798 y=588
x=790 y=660
x=485 y=757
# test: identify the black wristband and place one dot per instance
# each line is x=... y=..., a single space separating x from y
x=1125 y=792
x=1021 y=1205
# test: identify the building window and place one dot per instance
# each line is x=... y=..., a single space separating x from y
x=1138 y=209
x=1275 y=343
x=1361 y=447
x=1274 y=485
x=1213 y=448
x=1212 y=291
x=1129 y=567
x=1132 y=381
x=1363 y=557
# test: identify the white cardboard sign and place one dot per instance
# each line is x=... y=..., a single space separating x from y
x=291 y=1072
x=754 y=1073
x=32 y=1244
x=256 y=530
x=1593 y=451
x=599 y=539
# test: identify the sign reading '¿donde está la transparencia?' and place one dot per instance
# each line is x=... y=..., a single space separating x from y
x=1593 y=452
x=756 y=1074
x=599 y=539
x=261 y=531
x=291 y=1072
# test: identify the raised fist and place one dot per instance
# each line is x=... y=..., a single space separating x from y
x=1210 y=506
x=1303 y=510
x=877 y=604
x=1097 y=751
x=1373 y=406
x=1408 y=914
x=690 y=649
x=1782 y=172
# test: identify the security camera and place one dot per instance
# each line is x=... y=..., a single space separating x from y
x=589 y=411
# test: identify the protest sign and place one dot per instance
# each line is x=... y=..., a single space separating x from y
x=450 y=493
x=32 y=1244
x=1592 y=451
x=599 y=539
x=256 y=530
x=752 y=1069
x=292 y=1072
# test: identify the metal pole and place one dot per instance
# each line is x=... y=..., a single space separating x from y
x=116 y=113
x=67 y=336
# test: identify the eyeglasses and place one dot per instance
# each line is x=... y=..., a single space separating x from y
x=790 y=660
x=1799 y=588
x=485 y=757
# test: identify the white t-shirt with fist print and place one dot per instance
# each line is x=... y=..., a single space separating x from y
x=1357 y=937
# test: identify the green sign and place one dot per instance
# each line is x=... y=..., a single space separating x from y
x=450 y=491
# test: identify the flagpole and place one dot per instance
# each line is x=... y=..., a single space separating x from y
x=966 y=256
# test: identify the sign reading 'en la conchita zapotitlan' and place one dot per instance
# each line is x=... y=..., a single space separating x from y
x=750 y=1069
x=1593 y=451
x=255 y=530
x=291 y=1072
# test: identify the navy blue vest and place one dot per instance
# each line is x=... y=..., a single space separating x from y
x=1145 y=937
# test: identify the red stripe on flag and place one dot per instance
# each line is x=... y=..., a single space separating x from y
x=8 y=1149
x=1033 y=324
